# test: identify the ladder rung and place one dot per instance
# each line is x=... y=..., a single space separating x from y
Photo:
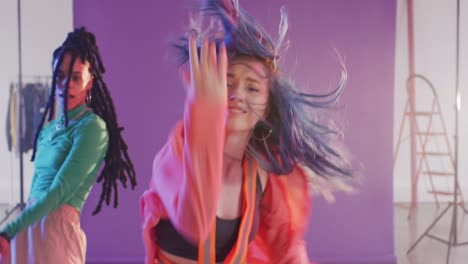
x=433 y=153
x=439 y=173
x=441 y=192
x=431 y=133
x=423 y=113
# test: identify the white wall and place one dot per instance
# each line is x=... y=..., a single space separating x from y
x=44 y=26
x=435 y=40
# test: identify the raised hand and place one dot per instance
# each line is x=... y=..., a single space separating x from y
x=208 y=71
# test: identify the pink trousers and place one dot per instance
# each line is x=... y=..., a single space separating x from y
x=56 y=238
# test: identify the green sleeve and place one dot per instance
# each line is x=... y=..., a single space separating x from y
x=89 y=145
x=33 y=182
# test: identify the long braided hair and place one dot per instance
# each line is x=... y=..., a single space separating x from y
x=291 y=134
x=81 y=44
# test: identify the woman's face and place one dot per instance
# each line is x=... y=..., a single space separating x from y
x=248 y=90
x=81 y=81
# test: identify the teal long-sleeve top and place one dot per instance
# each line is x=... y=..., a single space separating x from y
x=65 y=167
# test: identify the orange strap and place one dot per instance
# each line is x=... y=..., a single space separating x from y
x=238 y=254
x=162 y=259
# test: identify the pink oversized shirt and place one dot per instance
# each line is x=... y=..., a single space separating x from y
x=186 y=184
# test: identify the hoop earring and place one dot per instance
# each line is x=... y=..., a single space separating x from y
x=264 y=137
x=89 y=98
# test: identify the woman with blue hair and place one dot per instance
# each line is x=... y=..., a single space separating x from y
x=232 y=183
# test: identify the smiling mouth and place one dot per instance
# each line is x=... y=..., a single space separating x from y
x=236 y=110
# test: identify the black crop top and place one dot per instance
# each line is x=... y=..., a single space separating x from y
x=227 y=230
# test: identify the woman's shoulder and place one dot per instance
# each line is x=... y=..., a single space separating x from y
x=296 y=179
x=287 y=197
x=91 y=123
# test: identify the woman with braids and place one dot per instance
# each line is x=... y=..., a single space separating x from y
x=231 y=185
x=68 y=154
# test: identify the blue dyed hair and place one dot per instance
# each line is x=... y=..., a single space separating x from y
x=290 y=135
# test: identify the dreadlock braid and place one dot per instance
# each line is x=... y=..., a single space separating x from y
x=118 y=166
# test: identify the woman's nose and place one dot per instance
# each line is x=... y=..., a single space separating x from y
x=236 y=94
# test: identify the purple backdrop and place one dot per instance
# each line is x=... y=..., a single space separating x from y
x=133 y=37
